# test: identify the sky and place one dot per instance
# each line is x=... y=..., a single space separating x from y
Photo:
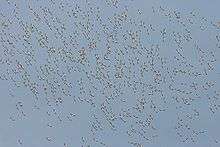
x=113 y=73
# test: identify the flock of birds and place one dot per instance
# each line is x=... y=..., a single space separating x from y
x=96 y=73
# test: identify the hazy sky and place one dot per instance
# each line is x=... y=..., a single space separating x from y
x=29 y=122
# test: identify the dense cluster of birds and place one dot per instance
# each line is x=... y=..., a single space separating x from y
x=95 y=73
